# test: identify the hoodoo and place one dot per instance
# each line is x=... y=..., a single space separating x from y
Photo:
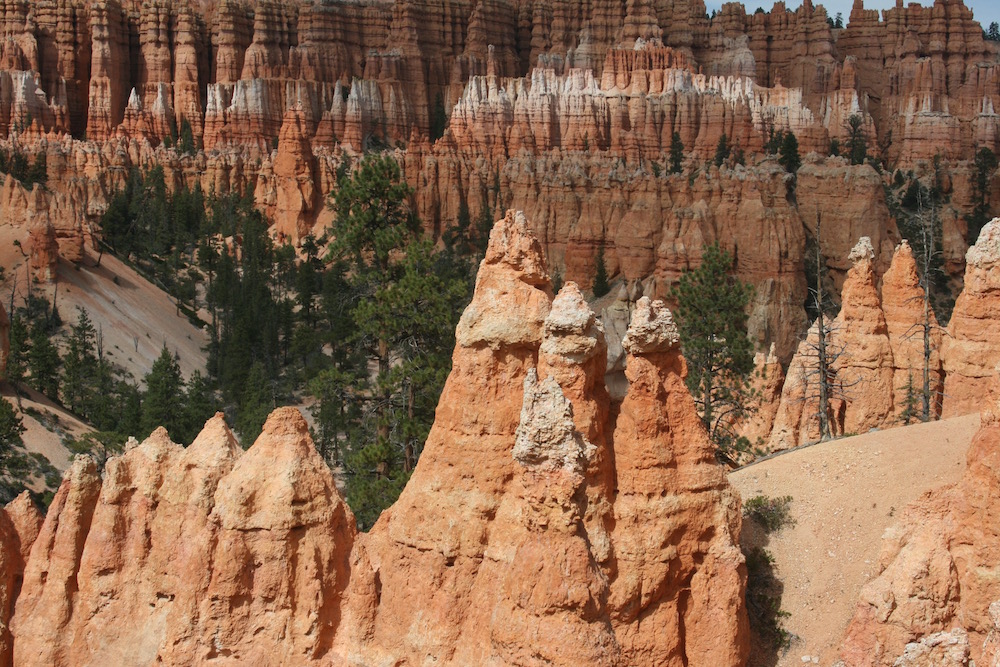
x=536 y=526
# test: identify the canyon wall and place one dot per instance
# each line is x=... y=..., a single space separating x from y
x=563 y=110
x=538 y=525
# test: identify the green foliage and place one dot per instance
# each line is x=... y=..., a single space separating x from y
x=43 y=361
x=15 y=163
x=79 y=365
x=993 y=32
x=712 y=322
x=911 y=402
x=11 y=428
x=857 y=139
x=985 y=165
x=676 y=153
x=763 y=598
x=14 y=466
x=834 y=147
x=722 y=150
x=402 y=299
x=788 y=153
x=774 y=139
x=915 y=207
x=256 y=403
x=601 y=285
x=771 y=514
x=185 y=144
x=100 y=445
x=163 y=403
x=764 y=589
x=439 y=118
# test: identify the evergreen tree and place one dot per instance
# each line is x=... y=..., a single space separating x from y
x=163 y=403
x=43 y=361
x=80 y=366
x=256 y=404
x=985 y=165
x=404 y=303
x=11 y=428
x=789 y=153
x=712 y=322
x=199 y=406
x=439 y=118
x=857 y=141
x=17 y=360
x=676 y=153
x=186 y=142
x=993 y=34
x=601 y=284
x=722 y=150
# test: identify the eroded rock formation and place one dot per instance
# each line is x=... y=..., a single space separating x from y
x=563 y=112
x=970 y=351
x=876 y=355
x=536 y=526
x=935 y=569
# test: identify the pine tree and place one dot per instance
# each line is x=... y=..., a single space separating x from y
x=857 y=141
x=256 y=404
x=11 y=428
x=199 y=406
x=403 y=303
x=163 y=403
x=676 y=153
x=789 y=153
x=722 y=150
x=439 y=118
x=17 y=360
x=80 y=366
x=601 y=285
x=186 y=142
x=712 y=322
x=985 y=165
x=43 y=361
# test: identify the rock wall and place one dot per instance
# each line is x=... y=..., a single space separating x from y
x=970 y=350
x=537 y=526
x=875 y=352
x=565 y=111
x=935 y=571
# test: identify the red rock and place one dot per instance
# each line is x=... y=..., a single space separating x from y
x=667 y=476
x=905 y=318
x=934 y=567
x=969 y=352
x=19 y=525
x=524 y=515
x=765 y=399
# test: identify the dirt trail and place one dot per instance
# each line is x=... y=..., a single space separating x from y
x=845 y=494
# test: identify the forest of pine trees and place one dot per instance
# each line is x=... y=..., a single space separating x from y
x=360 y=325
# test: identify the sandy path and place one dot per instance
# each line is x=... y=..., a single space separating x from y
x=845 y=494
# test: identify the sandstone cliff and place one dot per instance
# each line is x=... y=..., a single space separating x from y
x=970 y=352
x=537 y=526
x=935 y=570
x=565 y=112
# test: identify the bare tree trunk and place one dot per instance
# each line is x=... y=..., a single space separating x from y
x=824 y=375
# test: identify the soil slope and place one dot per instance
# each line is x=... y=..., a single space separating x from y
x=845 y=494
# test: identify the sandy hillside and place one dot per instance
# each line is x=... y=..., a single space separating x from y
x=845 y=494
x=133 y=316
